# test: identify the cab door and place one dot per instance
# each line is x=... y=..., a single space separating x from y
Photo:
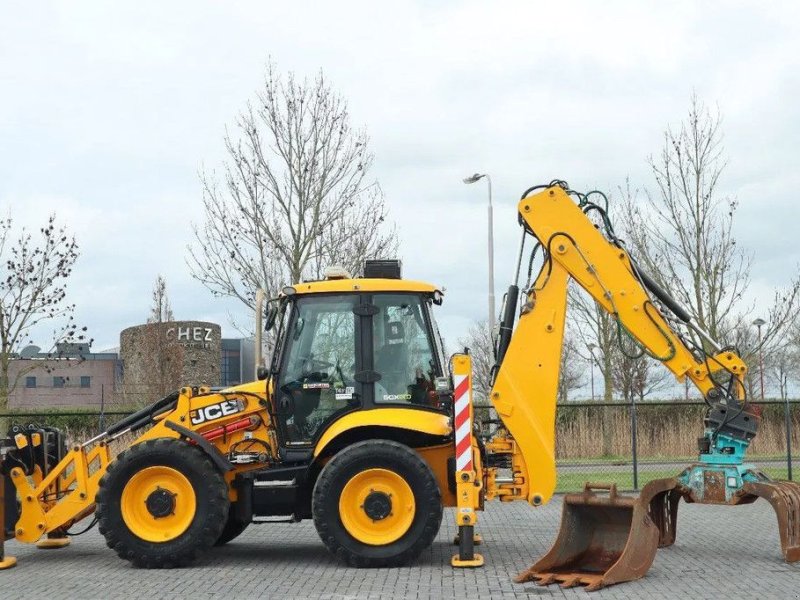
x=322 y=356
x=404 y=356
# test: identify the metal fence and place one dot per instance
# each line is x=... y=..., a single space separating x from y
x=98 y=398
x=77 y=424
x=629 y=444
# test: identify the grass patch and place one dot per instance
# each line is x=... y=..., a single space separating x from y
x=573 y=481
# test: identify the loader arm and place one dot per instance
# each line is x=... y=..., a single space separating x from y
x=525 y=388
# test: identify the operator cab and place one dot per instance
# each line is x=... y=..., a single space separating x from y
x=346 y=344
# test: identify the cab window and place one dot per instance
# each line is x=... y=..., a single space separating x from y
x=403 y=353
x=318 y=376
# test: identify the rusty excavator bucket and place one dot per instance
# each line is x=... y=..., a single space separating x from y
x=611 y=538
x=783 y=496
x=605 y=538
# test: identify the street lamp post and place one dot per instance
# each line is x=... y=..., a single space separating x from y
x=591 y=348
x=759 y=323
x=473 y=179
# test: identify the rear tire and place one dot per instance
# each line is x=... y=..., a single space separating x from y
x=377 y=504
x=161 y=504
x=233 y=529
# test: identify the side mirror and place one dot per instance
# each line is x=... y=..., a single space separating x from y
x=262 y=373
x=272 y=315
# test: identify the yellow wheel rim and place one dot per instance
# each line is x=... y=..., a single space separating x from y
x=158 y=504
x=377 y=507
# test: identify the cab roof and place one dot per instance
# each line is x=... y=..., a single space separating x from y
x=364 y=285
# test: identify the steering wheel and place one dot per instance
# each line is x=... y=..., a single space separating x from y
x=311 y=364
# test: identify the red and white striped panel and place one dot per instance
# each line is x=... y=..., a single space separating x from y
x=463 y=423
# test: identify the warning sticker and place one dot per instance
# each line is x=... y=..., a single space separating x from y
x=345 y=393
x=316 y=386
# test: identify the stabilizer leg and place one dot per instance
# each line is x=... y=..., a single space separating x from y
x=477 y=540
x=466 y=556
x=468 y=490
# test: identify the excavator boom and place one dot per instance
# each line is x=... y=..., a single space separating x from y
x=525 y=388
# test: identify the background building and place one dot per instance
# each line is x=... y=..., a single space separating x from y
x=158 y=358
x=71 y=377
x=153 y=360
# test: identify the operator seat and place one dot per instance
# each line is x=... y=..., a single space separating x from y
x=391 y=361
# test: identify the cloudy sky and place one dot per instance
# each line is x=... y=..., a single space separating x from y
x=108 y=110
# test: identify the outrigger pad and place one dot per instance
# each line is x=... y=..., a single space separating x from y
x=604 y=539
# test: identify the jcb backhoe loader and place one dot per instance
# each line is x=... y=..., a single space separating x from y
x=363 y=424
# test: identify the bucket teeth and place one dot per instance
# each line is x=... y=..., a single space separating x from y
x=573 y=581
x=545 y=580
x=595 y=585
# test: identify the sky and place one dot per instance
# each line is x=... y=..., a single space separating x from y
x=109 y=110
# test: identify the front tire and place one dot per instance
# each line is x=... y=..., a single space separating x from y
x=161 y=504
x=377 y=504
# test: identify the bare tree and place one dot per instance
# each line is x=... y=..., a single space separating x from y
x=780 y=368
x=683 y=235
x=596 y=332
x=479 y=342
x=571 y=372
x=595 y=335
x=779 y=364
x=295 y=194
x=160 y=311
x=636 y=377
x=33 y=289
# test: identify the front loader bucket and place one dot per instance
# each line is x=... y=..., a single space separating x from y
x=604 y=539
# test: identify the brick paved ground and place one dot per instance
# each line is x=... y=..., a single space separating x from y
x=720 y=553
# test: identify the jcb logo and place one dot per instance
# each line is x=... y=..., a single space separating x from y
x=216 y=411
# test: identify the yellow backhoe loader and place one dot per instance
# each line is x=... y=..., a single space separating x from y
x=363 y=424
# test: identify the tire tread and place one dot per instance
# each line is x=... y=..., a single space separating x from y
x=325 y=513
x=155 y=556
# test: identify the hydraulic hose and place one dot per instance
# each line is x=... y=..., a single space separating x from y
x=507 y=322
x=662 y=295
x=144 y=416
